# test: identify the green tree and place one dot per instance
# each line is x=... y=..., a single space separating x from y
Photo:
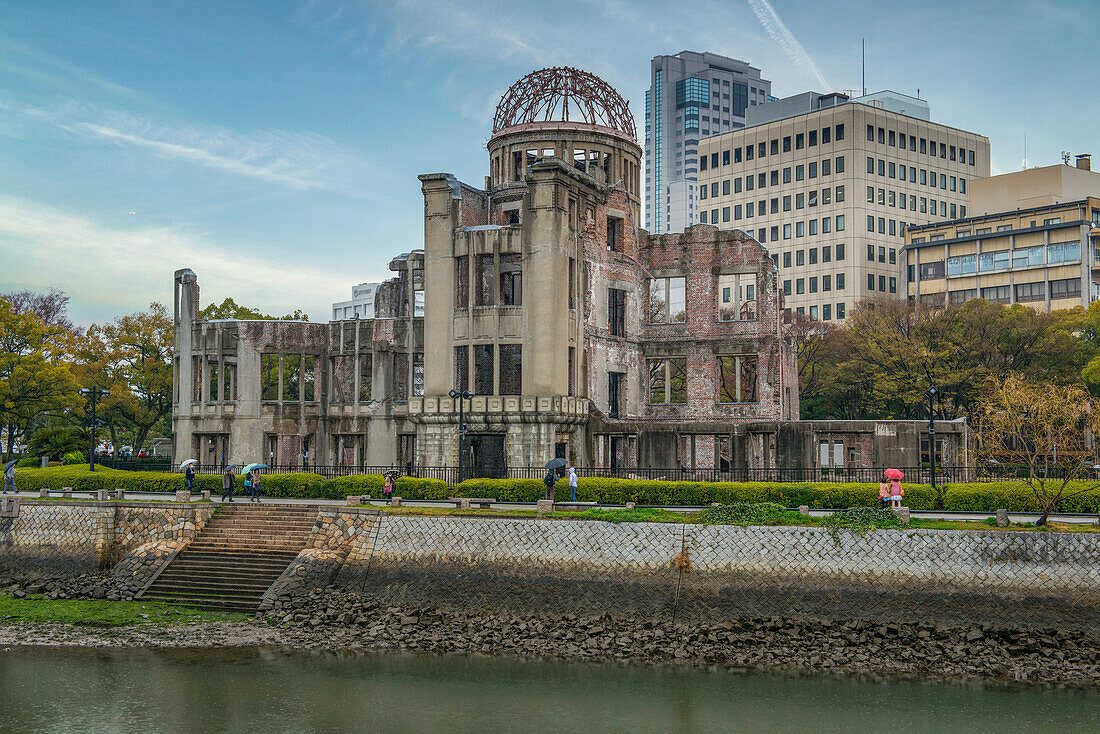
x=138 y=368
x=229 y=309
x=35 y=379
x=55 y=443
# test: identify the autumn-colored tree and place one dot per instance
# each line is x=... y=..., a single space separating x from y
x=1046 y=427
x=96 y=366
x=229 y=309
x=35 y=379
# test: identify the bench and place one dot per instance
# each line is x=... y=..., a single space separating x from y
x=465 y=503
x=574 y=506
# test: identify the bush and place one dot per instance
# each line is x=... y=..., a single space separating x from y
x=1015 y=497
x=743 y=513
x=74 y=457
x=862 y=519
x=411 y=488
x=651 y=492
x=27 y=462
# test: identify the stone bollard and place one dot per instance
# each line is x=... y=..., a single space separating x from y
x=544 y=507
x=803 y=510
x=630 y=505
x=103 y=495
x=395 y=501
x=1002 y=518
x=120 y=494
x=354 y=500
x=67 y=492
x=183 y=495
x=206 y=495
x=463 y=503
x=902 y=513
x=43 y=492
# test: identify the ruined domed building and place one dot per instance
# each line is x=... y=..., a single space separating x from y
x=578 y=334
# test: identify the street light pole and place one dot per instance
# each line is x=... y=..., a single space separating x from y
x=461 y=396
x=93 y=394
x=932 y=392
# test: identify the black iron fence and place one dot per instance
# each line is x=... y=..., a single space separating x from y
x=787 y=475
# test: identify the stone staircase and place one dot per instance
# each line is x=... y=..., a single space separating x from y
x=240 y=552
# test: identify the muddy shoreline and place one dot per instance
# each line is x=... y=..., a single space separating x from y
x=1045 y=657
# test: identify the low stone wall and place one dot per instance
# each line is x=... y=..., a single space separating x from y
x=54 y=539
x=656 y=570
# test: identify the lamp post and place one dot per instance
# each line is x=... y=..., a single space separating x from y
x=461 y=396
x=93 y=394
x=932 y=392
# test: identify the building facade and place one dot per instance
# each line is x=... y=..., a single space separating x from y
x=830 y=184
x=361 y=305
x=691 y=95
x=577 y=333
x=1036 y=241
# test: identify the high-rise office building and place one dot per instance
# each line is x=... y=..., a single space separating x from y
x=691 y=95
x=830 y=184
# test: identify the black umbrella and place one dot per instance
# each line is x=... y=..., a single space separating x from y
x=556 y=463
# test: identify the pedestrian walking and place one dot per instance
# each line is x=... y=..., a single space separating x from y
x=549 y=480
x=227 y=485
x=573 y=484
x=248 y=484
x=9 y=478
x=189 y=477
x=257 y=484
x=389 y=484
x=884 y=491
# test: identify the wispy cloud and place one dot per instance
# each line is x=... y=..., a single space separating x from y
x=300 y=161
x=110 y=270
x=778 y=31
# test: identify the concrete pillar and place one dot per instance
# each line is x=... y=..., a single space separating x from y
x=120 y=493
x=354 y=500
x=183 y=496
x=464 y=504
x=43 y=492
x=902 y=513
x=544 y=507
x=206 y=495
x=103 y=495
x=630 y=505
x=395 y=502
x=67 y=492
x=803 y=510
x=1002 y=518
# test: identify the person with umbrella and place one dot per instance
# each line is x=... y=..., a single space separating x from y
x=9 y=476
x=389 y=485
x=573 y=482
x=896 y=490
x=551 y=477
x=189 y=477
x=257 y=484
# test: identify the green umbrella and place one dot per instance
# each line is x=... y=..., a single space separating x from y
x=250 y=467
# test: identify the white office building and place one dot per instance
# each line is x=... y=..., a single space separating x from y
x=361 y=304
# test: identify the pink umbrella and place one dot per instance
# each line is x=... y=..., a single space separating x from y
x=894 y=474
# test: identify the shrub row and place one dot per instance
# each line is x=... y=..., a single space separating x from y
x=649 y=492
x=980 y=496
x=297 y=485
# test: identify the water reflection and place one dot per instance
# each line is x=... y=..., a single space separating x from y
x=265 y=690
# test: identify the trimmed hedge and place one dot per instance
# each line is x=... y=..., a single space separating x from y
x=1015 y=497
x=648 y=492
x=410 y=488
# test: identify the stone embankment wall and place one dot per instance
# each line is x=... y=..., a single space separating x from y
x=655 y=570
x=51 y=538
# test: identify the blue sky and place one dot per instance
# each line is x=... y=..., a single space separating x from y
x=273 y=147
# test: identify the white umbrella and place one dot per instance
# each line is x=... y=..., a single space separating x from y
x=188 y=462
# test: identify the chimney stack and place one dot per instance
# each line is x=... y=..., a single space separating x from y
x=1084 y=161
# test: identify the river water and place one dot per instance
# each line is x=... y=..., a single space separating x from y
x=226 y=691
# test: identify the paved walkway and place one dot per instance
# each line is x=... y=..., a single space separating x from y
x=1016 y=517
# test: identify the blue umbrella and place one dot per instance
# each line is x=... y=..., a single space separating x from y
x=250 y=467
x=9 y=464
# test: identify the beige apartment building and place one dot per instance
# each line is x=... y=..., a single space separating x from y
x=830 y=184
x=1035 y=240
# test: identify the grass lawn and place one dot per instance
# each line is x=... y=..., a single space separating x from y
x=102 y=613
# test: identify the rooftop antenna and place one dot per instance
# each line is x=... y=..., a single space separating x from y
x=863 y=42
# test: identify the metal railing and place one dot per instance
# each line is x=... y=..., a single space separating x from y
x=783 y=475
